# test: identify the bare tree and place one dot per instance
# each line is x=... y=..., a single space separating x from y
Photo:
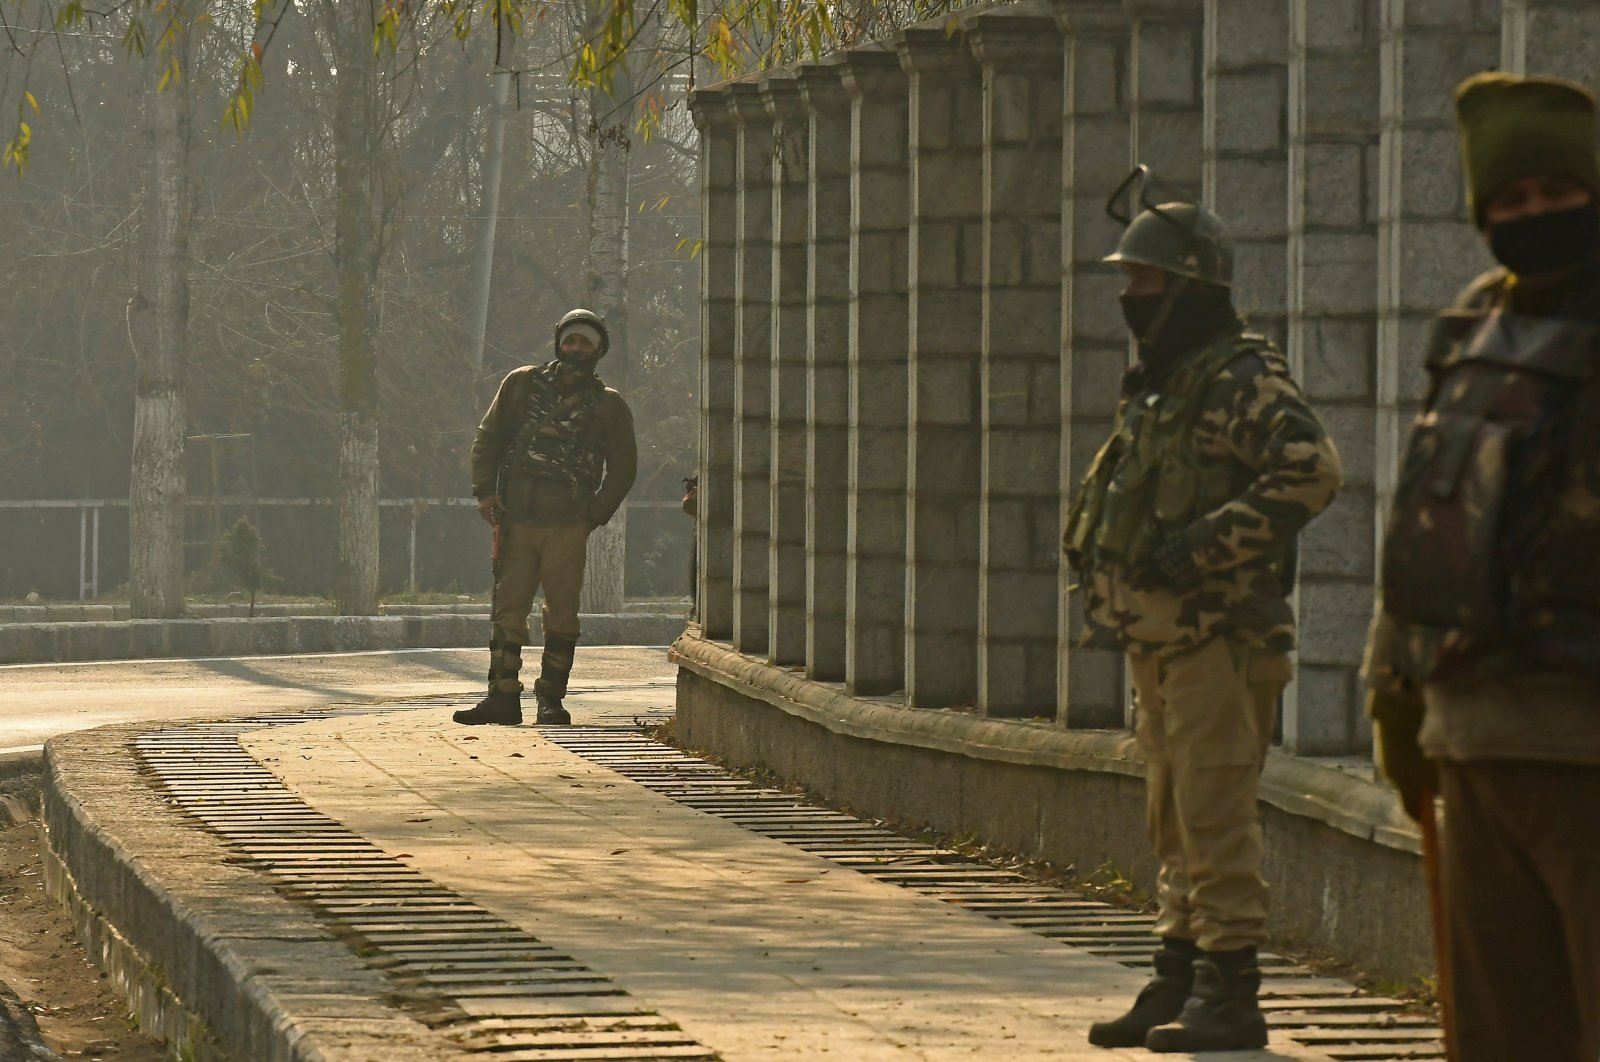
x=356 y=249
x=160 y=327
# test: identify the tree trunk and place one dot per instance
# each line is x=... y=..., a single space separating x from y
x=355 y=254
x=606 y=291
x=160 y=328
x=489 y=200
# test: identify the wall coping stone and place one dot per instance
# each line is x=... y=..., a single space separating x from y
x=1091 y=18
x=1365 y=810
x=1023 y=42
x=930 y=50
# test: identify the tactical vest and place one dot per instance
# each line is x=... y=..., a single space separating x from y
x=1493 y=546
x=1148 y=476
x=558 y=437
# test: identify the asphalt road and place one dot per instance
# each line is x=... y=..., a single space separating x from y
x=38 y=701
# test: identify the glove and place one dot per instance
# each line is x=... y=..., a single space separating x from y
x=1396 y=722
x=1173 y=561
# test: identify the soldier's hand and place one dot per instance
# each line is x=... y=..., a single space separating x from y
x=1173 y=559
x=1396 y=724
x=489 y=508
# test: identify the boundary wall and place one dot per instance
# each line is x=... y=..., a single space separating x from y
x=911 y=349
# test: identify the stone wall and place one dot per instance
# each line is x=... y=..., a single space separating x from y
x=912 y=348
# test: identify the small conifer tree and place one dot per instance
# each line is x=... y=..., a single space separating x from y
x=244 y=558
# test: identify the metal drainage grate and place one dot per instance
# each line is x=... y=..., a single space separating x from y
x=493 y=987
x=1322 y=1013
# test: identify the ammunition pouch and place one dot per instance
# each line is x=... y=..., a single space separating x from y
x=1469 y=542
x=1147 y=478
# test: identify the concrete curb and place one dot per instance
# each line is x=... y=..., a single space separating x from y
x=36 y=643
x=1363 y=809
x=209 y=957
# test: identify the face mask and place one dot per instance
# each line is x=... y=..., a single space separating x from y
x=1547 y=242
x=1196 y=316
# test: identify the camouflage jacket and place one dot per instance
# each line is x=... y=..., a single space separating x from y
x=553 y=499
x=1261 y=466
x=1491 y=563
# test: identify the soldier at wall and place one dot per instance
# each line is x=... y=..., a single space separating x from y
x=553 y=459
x=1182 y=534
x=1484 y=657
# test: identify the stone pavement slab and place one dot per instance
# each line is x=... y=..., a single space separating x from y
x=758 y=950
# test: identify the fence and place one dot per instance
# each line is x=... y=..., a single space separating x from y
x=426 y=544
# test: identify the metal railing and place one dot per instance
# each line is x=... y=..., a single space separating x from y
x=89 y=510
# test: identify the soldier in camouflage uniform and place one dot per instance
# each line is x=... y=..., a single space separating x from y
x=1484 y=659
x=552 y=461
x=1183 y=536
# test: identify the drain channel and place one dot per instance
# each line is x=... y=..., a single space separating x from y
x=494 y=988
x=1328 y=1015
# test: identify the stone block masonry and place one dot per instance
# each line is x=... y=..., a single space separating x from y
x=913 y=348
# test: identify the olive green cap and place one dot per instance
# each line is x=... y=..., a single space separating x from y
x=1514 y=127
x=1185 y=239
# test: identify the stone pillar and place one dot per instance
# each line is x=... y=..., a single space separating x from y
x=827 y=368
x=875 y=574
x=946 y=305
x=1164 y=78
x=1245 y=165
x=1094 y=152
x=752 y=370
x=786 y=621
x=1427 y=247
x=1019 y=530
x=719 y=142
x=1560 y=37
x=1332 y=338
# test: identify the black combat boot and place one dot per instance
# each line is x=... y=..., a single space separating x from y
x=503 y=703
x=1222 y=1014
x=1159 y=1002
x=555 y=665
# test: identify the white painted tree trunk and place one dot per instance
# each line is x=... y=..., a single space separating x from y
x=160 y=326
x=606 y=291
x=355 y=254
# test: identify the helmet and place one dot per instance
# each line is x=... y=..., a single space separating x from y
x=1182 y=238
x=593 y=320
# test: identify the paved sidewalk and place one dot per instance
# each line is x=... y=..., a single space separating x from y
x=758 y=950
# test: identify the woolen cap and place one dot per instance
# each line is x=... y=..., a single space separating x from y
x=1514 y=127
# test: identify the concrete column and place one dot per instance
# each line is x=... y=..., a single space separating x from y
x=719 y=142
x=1019 y=531
x=875 y=573
x=1332 y=338
x=1246 y=160
x=752 y=370
x=1427 y=247
x=786 y=621
x=1164 y=76
x=827 y=368
x=1560 y=37
x=1094 y=152
x=946 y=306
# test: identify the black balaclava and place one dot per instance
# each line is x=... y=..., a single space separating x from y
x=1195 y=316
x=1547 y=243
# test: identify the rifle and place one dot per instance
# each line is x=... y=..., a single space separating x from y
x=494 y=546
x=1441 y=939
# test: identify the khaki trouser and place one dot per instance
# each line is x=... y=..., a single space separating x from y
x=1205 y=720
x=533 y=554
x=1521 y=876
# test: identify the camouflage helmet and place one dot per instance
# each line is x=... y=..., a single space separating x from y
x=1185 y=239
x=585 y=317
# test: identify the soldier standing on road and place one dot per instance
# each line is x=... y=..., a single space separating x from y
x=552 y=461
x=1183 y=534
x=1484 y=660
